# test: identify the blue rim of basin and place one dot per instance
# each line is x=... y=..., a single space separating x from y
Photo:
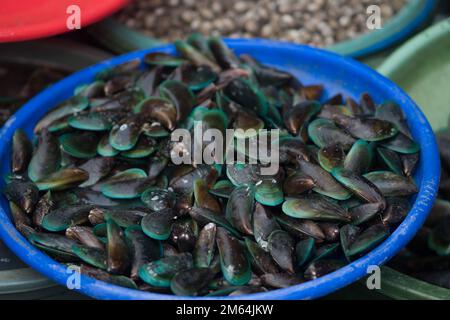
x=311 y=65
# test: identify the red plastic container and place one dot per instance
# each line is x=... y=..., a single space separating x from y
x=31 y=19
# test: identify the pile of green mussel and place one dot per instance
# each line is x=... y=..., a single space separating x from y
x=97 y=188
x=427 y=257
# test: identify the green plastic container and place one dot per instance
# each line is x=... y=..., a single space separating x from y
x=422 y=68
x=17 y=280
x=416 y=13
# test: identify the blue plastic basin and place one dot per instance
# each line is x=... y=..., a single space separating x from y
x=338 y=74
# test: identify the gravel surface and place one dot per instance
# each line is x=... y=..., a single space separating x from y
x=316 y=22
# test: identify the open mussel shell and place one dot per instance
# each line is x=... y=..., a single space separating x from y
x=159 y=273
x=233 y=260
x=158 y=224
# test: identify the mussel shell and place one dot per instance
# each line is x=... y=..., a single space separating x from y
x=359 y=158
x=118 y=256
x=158 y=199
x=93 y=256
x=158 y=224
x=190 y=282
x=324 y=132
x=359 y=185
x=368 y=129
x=203 y=199
x=304 y=251
x=280 y=280
x=81 y=145
x=97 y=168
x=324 y=182
x=142 y=248
x=21 y=151
x=239 y=209
x=401 y=144
x=263 y=225
x=180 y=95
x=24 y=194
x=63 y=179
x=315 y=207
x=233 y=260
x=281 y=248
x=260 y=258
x=62 y=218
x=300 y=227
x=160 y=273
x=391 y=184
x=205 y=246
x=46 y=158
x=331 y=157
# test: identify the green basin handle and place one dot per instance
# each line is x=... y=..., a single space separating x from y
x=399 y=286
